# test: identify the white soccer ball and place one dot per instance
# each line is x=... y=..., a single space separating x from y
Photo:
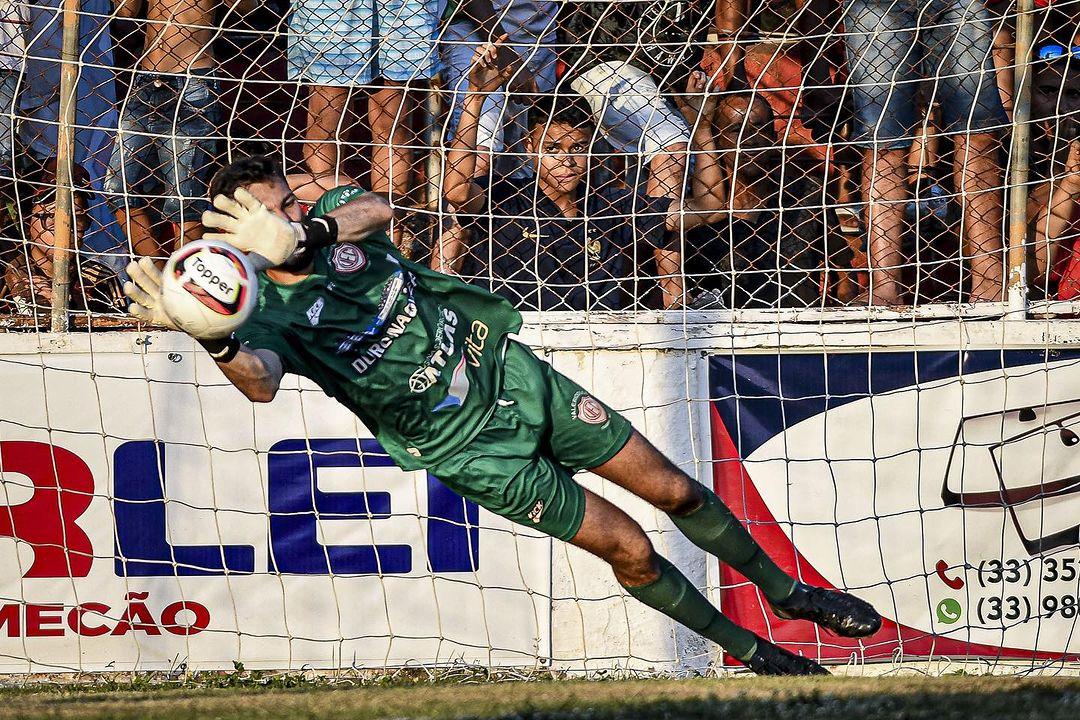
x=208 y=289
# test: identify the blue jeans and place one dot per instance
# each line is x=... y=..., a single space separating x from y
x=343 y=43
x=166 y=145
x=893 y=46
x=502 y=125
x=9 y=83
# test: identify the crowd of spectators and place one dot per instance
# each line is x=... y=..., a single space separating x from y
x=569 y=154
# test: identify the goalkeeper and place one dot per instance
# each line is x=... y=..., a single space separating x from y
x=426 y=362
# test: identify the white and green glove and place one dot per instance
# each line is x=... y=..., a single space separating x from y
x=144 y=291
x=247 y=225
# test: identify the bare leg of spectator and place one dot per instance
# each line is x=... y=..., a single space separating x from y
x=667 y=172
x=977 y=173
x=1004 y=63
x=325 y=132
x=190 y=232
x=309 y=188
x=391 y=157
x=139 y=228
x=885 y=188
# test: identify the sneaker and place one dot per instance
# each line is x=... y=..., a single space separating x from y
x=769 y=659
x=838 y=612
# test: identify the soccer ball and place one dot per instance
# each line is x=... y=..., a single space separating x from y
x=208 y=289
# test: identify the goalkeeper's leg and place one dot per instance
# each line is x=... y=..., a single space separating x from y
x=708 y=523
x=612 y=535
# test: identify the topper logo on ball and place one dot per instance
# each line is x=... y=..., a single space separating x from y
x=63 y=488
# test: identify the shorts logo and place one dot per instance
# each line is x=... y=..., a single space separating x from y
x=590 y=411
x=348 y=258
x=537 y=511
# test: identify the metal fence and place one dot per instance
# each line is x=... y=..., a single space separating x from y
x=790 y=159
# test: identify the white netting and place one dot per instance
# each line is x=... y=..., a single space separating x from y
x=845 y=155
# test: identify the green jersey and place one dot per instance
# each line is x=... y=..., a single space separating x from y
x=415 y=354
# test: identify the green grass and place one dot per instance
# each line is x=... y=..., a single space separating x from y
x=910 y=698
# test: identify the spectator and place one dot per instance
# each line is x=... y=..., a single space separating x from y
x=166 y=145
x=13 y=21
x=623 y=57
x=1053 y=202
x=768 y=251
x=95 y=114
x=559 y=243
x=530 y=29
x=336 y=46
x=28 y=272
x=886 y=64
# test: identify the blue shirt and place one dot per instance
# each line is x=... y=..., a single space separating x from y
x=96 y=115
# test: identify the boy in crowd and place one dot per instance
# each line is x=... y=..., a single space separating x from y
x=559 y=242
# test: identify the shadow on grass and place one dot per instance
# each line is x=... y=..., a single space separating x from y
x=1036 y=703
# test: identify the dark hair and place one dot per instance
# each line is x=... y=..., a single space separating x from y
x=44 y=184
x=550 y=109
x=243 y=172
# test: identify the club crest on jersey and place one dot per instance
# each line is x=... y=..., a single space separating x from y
x=348 y=258
x=588 y=410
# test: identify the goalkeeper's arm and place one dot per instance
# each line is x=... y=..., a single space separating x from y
x=256 y=372
x=246 y=224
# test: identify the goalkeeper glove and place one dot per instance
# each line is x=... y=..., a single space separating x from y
x=247 y=225
x=144 y=291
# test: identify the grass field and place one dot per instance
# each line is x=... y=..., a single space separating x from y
x=970 y=698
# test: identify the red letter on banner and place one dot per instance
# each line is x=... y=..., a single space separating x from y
x=39 y=618
x=10 y=616
x=63 y=488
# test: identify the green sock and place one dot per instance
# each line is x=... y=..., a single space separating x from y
x=714 y=529
x=673 y=595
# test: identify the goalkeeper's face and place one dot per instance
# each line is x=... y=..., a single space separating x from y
x=560 y=154
x=278 y=199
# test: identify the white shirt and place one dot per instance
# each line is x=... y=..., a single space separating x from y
x=13 y=23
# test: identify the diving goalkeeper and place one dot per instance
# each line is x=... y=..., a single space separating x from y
x=427 y=363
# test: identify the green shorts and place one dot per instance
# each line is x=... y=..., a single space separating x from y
x=544 y=428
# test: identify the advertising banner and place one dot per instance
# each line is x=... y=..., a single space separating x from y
x=943 y=487
x=152 y=518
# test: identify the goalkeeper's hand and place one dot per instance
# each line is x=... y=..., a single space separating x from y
x=144 y=291
x=247 y=225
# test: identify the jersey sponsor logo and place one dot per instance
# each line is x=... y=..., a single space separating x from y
x=373 y=352
x=348 y=258
x=474 y=343
x=315 y=311
x=588 y=409
x=431 y=370
x=458 y=390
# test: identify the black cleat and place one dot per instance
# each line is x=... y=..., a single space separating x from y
x=838 y=612
x=769 y=659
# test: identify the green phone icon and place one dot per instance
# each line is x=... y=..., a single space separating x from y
x=948 y=611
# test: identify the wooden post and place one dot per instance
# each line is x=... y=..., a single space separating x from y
x=64 y=213
x=1019 y=154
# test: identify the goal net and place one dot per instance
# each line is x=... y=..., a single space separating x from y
x=819 y=253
